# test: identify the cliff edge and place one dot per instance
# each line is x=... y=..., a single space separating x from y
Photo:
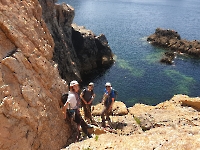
x=173 y=124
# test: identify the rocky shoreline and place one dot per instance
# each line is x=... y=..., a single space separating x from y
x=173 y=124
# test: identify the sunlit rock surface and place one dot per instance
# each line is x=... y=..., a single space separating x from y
x=36 y=51
x=30 y=84
x=173 y=125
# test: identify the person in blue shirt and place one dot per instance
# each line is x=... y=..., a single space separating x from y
x=108 y=101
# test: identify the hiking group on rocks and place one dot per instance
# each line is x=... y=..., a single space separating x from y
x=73 y=101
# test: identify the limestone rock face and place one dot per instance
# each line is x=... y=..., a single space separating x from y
x=36 y=52
x=93 y=51
x=77 y=51
x=30 y=85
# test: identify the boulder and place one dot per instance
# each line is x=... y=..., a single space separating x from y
x=168 y=58
x=119 y=108
x=193 y=102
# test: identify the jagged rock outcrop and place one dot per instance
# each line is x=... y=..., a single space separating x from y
x=168 y=58
x=77 y=51
x=30 y=84
x=93 y=51
x=171 y=40
x=58 y=19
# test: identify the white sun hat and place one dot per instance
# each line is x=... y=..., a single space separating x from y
x=108 y=84
x=74 y=82
x=91 y=83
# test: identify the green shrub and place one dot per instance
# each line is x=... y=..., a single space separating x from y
x=96 y=137
x=137 y=120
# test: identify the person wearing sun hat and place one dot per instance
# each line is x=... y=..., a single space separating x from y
x=71 y=107
x=108 y=101
x=87 y=96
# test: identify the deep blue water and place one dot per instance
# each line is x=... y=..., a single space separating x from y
x=137 y=74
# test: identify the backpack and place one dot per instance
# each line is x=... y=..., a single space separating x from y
x=64 y=98
x=116 y=93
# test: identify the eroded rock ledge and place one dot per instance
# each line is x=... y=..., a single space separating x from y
x=171 y=40
x=173 y=124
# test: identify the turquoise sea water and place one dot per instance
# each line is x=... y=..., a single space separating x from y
x=137 y=74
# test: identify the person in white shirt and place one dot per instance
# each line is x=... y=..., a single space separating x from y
x=71 y=107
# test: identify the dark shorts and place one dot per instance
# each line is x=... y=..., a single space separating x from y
x=75 y=115
x=71 y=112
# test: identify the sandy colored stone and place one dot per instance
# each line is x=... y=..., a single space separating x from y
x=30 y=84
x=173 y=126
x=193 y=102
x=119 y=108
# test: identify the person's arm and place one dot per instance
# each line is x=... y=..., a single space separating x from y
x=66 y=105
x=110 y=108
x=81 y=96
x=92 y=98
x=105 y=96
x=113 y=100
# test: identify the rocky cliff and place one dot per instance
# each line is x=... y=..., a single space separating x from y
x=78 y=51
x=30 y=84
x=38 y=49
